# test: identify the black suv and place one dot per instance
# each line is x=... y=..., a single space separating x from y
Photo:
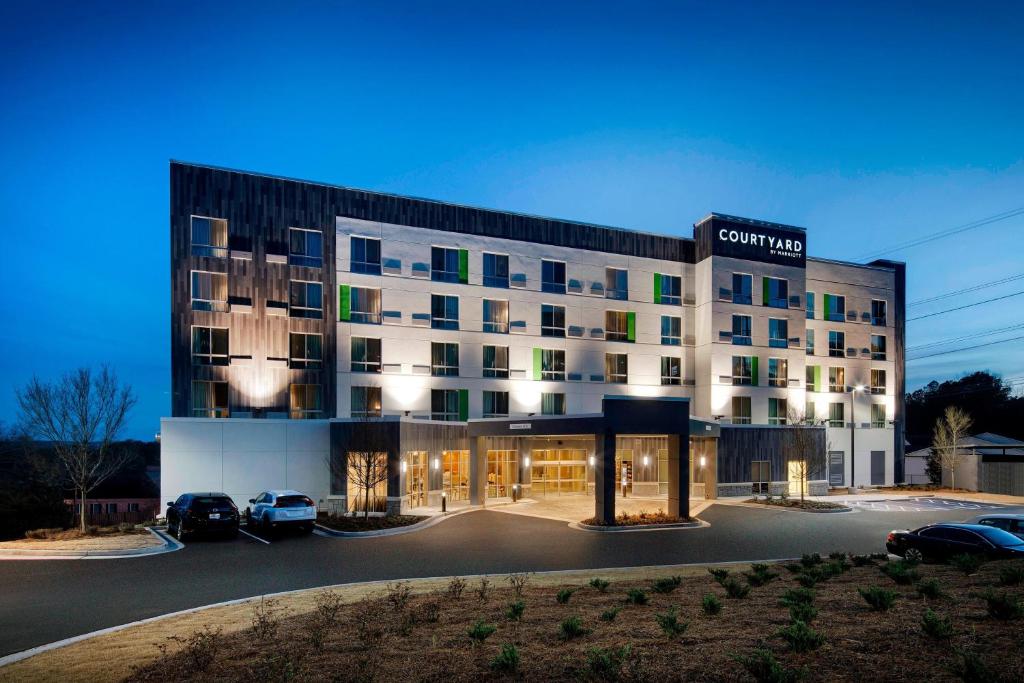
x=942 y=541
x=195 y=513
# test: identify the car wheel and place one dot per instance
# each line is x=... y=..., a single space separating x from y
x=265 y=526
x=248 y=518
x=913 y=555
x=308 y=529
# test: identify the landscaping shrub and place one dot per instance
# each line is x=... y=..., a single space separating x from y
x=764 y=668
x=635 y=596
x=837 y=555
x=970 y=668
x=605 y=663
x=810 y=560
x=879 y=599
x=515 y=610
x=760 y=574
x=736 y=590
x=940 y=628
x=862 y=560
x=835 y=567
x=572 y=628
x=809 y=578
x=518 y=583
x=328 y=604
x=792 y=568
x=967 y=563
x=900 y=572
x=398 y=595
x=719 y=575
x=610 y=614
x=800 y=637
x=370 y=628
x=929 y=589
x=507 y=660
x=797 y=596
x=200 y=648
x=1011 y=575
x=711 y=604
x=481 y=631
x=456 y=587
x=564 y=594
x=600 y=584
x=427 y=612
x=803 y=611
x=1002 y=605
x=667 y=584
x=670 y=624
x=483 y=590
x=879 y=556
x=265 y=620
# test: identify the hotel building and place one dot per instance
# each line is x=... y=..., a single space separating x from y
x=306 y=317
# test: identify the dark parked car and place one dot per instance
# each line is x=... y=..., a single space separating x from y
x=197 y=513
x=1012 y=523
x=941 y=541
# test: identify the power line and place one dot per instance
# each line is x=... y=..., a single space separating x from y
x=1012 y=278
x=948 y=232
x=987 y=333
x=960 y=308
x=966 y=348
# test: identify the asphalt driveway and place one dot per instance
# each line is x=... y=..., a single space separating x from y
x=45 y=601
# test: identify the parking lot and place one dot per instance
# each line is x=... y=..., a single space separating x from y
x=923 y=504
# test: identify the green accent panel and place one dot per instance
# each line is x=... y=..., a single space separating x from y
x=344 y=302
x=463 y=404
x=463 y=266
x=657 y=288
x=753 y=370
x=817 y=378
x=536 y=364
x=631 y=326
x=826 y=307
x=764 y=291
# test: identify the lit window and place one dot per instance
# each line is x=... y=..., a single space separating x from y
x=305 y=350
x=495 y=270
x=495 y=404
x=616 y=368
x=496 y=361
x=671 y=370
x=778 y=371
x=742 y=287
x=209 y=346
x=366 y=402
x=365 y=256
x=741 y=410
x=305 y=247
x=878 y=420
x=878 y=381
x=444 y=312
x=616 y=326
x=552 y=276
x=742 y=370
x=552 y=320
x=877 y=347
x=366 y=355
x=552 y=404
x=837 y=379
x=209 y=291
x=364 y=305
x=444 y=359
x=616 y=283
x=209 y=399
x=305 y=299
x=304 y=401
x=495 y=316
x=209 y=236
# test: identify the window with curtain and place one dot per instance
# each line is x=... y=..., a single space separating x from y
x=209 y=291
x=305 y=299
x=495 y=361
x=305 y=247
x=495 y=316
x=444 y=359
x=209 y=345
x=366 y=354
x=209 y=237
x=305 y=351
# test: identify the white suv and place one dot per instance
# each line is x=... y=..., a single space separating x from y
x=276 y=509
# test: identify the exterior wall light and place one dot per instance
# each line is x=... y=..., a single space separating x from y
x=437 y=463
x=647 y=461
x=404 y=466
x=703 y=461
x=526 y=461
x=592 y=460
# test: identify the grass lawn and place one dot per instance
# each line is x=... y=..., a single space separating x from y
x=855 y=623
x=358 y=523
x=121 y=537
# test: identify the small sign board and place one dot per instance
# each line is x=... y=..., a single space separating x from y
x=520 y=425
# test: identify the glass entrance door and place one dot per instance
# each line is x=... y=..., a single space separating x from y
x=455 y=475
x=416 y=478
x=624 y=471
x=501 y=473
x=558 y=470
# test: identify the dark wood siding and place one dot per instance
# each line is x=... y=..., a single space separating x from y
x=738 y=446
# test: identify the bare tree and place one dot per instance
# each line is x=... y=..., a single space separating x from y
x=80 y=415
x=366 y=464
x=806 y=449
x=950 y=430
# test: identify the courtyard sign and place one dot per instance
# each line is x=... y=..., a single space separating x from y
x=751 y=241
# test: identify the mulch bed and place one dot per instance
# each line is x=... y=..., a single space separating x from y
x=796 y=503
x=346 y=523
x=640 y=519
x=426 y=638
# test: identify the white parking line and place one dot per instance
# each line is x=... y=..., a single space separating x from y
x=253 y=536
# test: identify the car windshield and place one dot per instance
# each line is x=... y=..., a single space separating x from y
x=207 y=502
x=998 y=536
x=293 y=502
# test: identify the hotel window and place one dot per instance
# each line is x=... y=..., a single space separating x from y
x=878 y=312
x=878 y=381
x=444 y=359
x=495 y=316
x=777 y=408
x=810 y=305
x=809 y=377
x=496 y=361
x=444 y=264
x=444 y=404
x=366 y=402
x=671 y=330
x=209 y=236
x=616 y=326
x=775 y=292
x=552 y=320
x=305 y=247
x=835 y=308
x=365 y=354
x=552 y=364
x=305 y=299
x=305 y=350
x=133 y=507
x=778 y=372
x=365 y=256
x=835 y=415
x=616 y=283
x=878 y=416
x=671 y=370
x=742 y=370
x=877 y=347
x=495 y=270
x=810 y=342
x=209 y=399
x=742 y=288
x=304 y=401
x=810 y=413
x=778 y=333
x=552 y=404
x=444 y=312
x=836 y=344
x=668 y=289
x=741 y=330
x=552 y=277
x=209 y=346
x=209 y=291
x=741 y=410
x=616 y=368
x=495 y=404
x=364 y=305
x=837 y=379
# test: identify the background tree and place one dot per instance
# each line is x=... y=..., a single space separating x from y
x=80 y=416
x=366 y=464
x=950 y=431
x=992 y=403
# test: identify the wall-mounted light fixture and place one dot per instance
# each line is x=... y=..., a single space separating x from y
x=592 y=460
x=647 y=461
x=404 y=466
x=703 y=461
x=437 y=463
x=526 y=461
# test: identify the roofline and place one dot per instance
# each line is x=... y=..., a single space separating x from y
x=749 y=221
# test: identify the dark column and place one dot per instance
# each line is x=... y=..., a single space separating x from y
x=477 y=470
x=604 y=477
x=678 y=477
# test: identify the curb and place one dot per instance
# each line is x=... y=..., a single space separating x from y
x=580 y=526
x=169 y=545
x=759 y=506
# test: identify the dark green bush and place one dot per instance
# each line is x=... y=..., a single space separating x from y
x=929 y=589
x=600 y=584
x=967 y=563
x=970 y=668
x=515 y=610
x=809 y=578
x=797 y=596
x=635 y=596
x=837 y=555
x=610 y=614
x=507 y=660
x=1011 y=575
x=803 y=612
x=564 y=594
x=605 y=663
x=670 y=624
x=792 y=568
x=760 y=574
x=572 y=628
x=764 y=668
x=801 y=638
x=880 y=599
x=719 y=575
x=667 y=584
x=736 y=590
x=481 y=631
x=900 y=572
x=810 y=560
x=1002 y=605
x=862 y=560
x=940 y=628
x=711 y=604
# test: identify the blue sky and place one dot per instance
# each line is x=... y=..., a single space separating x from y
x=868 y=123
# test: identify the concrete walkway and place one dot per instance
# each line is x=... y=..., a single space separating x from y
x=578 y=508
